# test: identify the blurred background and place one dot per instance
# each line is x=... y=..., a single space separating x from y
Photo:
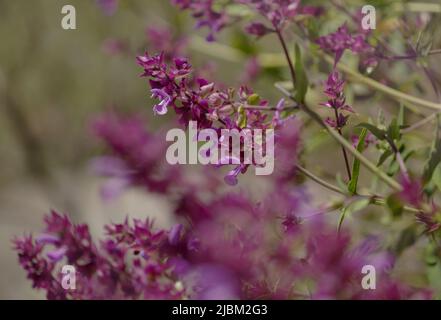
x=54 y=81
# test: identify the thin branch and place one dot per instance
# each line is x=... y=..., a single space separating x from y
x=420 y=123
x=320 y=181
x=398 y=95
x=287 y=56
x=263 y=108
x=375 y=200
x=347 y=145
x=275 y=60
x=345 y=155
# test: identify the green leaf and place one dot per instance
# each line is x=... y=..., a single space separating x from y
x=253 y=99
x=238 y=10
x=301 y=78
x=242 y=119
x=352 y=187
x=434 y=278
x=431 y=255
x=386 y=154
x=395 y=205
x=407 y=238
x=393 y=132
x=340 y=182
x=401 y=116
x=378 y=133
x=435 y=156
x=354 y=206
x=436 y=177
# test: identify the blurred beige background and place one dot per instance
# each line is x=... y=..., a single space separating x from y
x=51 y=82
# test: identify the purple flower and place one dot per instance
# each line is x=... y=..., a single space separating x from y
x=257 y=29
x=342 y=40
x=162 y=39
x=231 y=177
x=57 y=254
x=278 y=12
x=215 y=16
x=252 y=71
x=108 y=7
x=214 y=282
x=161 y=107
x=412 y=192
x=337 y=101
x=206 y=14
x=129 y=263
x=137 y=156
x=175 y=234
x=114 y=46
x=47 y=239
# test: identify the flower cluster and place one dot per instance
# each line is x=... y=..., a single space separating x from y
x=128 y=264
x=108 y=7
x=278 y=12
x=226 y=243
x=341 y=40
x=199 y=100
x=206 y=14
x=336 y=101
x=162 y=39
x=232 y=249
x=137 y=156
x=214 y=14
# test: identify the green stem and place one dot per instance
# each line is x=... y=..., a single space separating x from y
x=233 y=55
x=420 y=123
x=227 y=53
x=287 y=57
x=345 y=156
x=382 y=202
x=320 y=181
x=398 y=95
x=375 y=200
x=347 y=145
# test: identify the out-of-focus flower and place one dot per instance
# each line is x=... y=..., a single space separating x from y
x=369 y=140
x=206 y=14
x=252 y=71
x=341 y=40
x=113 y=46
x=213 y=282
x=108 y=7
x=214 y=14
x=233 y=250
x=412 y=192
x=138 y=156
x=162 y=39
x=128 y=264
x=257 y=29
